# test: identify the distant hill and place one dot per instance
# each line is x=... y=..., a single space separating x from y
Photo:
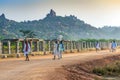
x=111 y=32
x=52 y=25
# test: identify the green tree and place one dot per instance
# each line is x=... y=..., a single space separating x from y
x=28 y=34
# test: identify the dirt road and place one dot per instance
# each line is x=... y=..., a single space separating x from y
x=43 y=67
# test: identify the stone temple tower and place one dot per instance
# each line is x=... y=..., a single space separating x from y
x=52 y=13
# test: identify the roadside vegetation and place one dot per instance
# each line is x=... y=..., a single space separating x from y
x=110 y=70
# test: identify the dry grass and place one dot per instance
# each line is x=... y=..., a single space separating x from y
x=108 y=70
x=94 y=70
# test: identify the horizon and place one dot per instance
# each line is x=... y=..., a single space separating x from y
x=98 y=13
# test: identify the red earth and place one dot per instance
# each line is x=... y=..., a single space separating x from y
x=44 y=68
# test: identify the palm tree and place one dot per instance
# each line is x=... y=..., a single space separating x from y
x=32 y=35
x=28 y=34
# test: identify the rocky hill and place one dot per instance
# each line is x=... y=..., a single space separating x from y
x=52 y=25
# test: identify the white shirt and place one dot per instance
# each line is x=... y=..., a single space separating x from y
x=24 y=49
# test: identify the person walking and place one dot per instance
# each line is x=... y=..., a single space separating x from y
x=113 y=46
x=97 y=46
x=26 y=49
x=56 y=50
x=61 y=48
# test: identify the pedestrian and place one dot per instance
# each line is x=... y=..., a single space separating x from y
x=113 y=46
x=26 y=49
x=56 y=50
x=61 y=48
x=97 y=46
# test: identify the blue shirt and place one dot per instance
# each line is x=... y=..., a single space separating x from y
x=114 y=45
x=61 y=48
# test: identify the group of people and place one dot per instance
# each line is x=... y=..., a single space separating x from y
x=58 y=48
x=112 y=46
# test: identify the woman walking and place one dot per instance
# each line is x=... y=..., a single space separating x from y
x=26 y=49
x=97 y=46
x=56 y=50
x=61 y=48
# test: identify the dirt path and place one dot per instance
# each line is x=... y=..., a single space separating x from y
x=43 y=67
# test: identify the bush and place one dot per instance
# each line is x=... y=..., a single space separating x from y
x=108 y=70
x=99 y=71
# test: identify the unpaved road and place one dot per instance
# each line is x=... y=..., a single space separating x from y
x=43 y=67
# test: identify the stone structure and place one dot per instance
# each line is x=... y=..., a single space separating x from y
x=52 y=13
x=46 y=46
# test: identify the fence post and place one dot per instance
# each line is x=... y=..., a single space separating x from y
x=67 y=45
x=78 y=46
x=0 y=47
x=31 y=43
x=9 y=47
x=75 y=45
x=38 y=46
x=90 y=45
x=71 y=46
x=17 y=47
x=44 y=51
x=49 y=46
x=81 y=45
x=84 y=45
x=87 y=45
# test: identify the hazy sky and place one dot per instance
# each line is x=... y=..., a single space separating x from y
x=95 y=12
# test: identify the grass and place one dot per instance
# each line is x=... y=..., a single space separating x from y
x=108 y=70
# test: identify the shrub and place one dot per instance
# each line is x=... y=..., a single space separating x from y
x=108 y=70
x=99 y=71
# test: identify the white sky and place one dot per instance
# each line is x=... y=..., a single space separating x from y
x=98 y=13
